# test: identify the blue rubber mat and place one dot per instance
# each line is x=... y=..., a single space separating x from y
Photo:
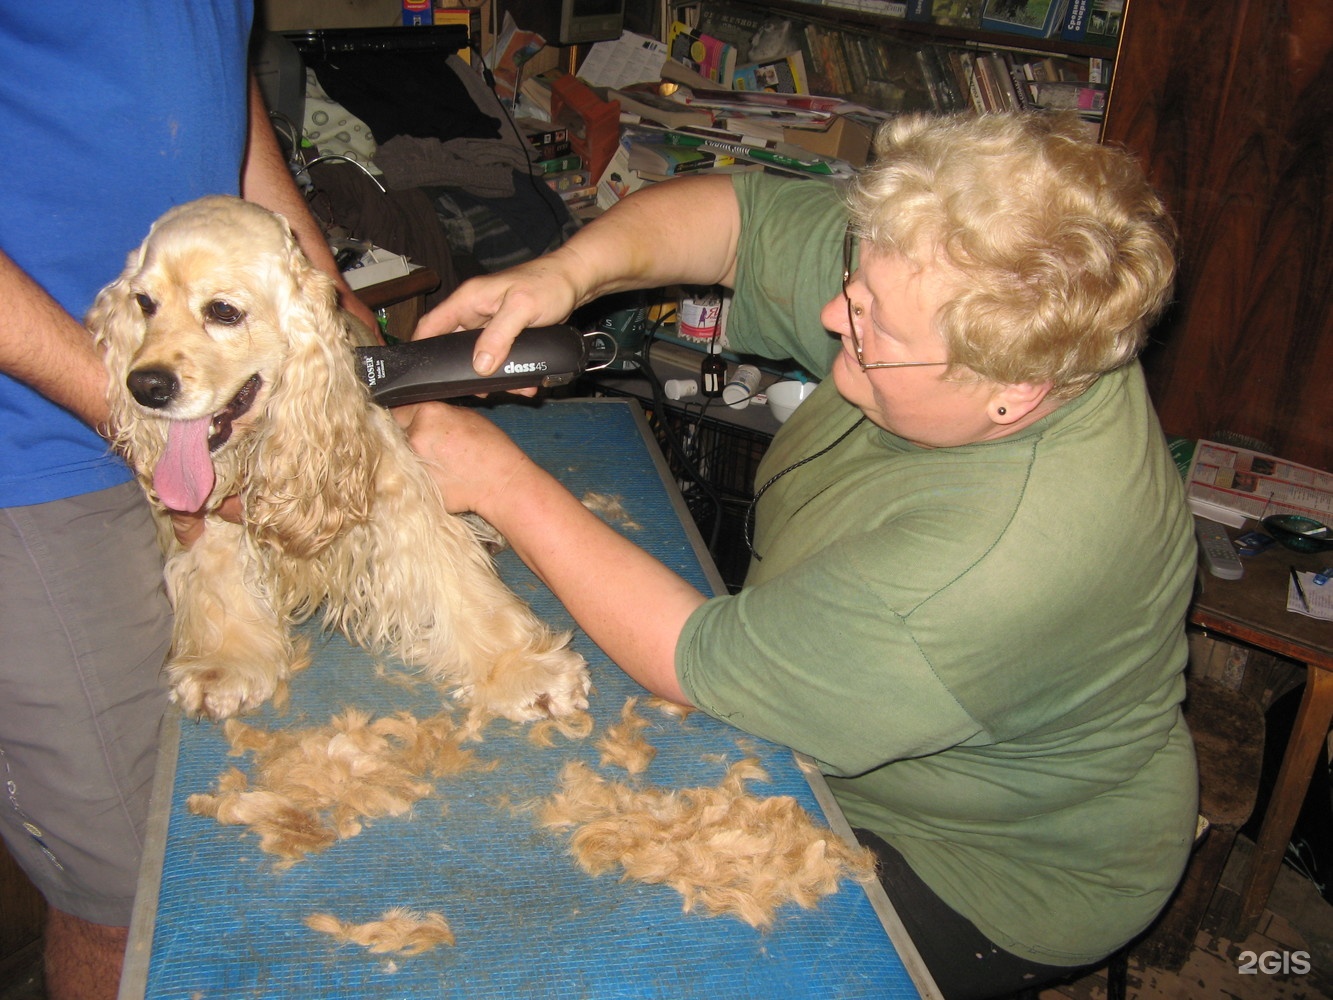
x=529 y=923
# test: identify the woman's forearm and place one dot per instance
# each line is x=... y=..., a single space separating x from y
x=628 y=603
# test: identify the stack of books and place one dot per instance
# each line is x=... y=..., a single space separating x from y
x=649 y=153
x=959 y=80
x=554 y=159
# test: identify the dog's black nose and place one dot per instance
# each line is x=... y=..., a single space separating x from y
x=153 y=387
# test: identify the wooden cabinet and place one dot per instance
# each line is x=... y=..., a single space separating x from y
x=403 y=300
x=1229 y=104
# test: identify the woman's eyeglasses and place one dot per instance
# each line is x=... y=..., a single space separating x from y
x=854 y=313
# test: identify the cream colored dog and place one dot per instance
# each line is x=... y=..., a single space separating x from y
x=232 y=372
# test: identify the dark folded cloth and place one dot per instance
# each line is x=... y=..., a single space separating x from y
x=485 y=167
x=501 y=232
x=403 y=222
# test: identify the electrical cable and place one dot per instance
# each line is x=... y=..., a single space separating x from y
x=688 y=465
x=289 y=132
x=348 y=159
x=749 y=511
x=489 y=76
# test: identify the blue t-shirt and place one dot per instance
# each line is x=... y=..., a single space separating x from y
x=114 y=113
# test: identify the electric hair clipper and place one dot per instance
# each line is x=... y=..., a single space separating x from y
x=441 y=367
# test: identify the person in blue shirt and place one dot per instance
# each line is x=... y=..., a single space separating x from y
x=114 y=113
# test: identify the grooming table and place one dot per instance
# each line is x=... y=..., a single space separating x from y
x=215 y=920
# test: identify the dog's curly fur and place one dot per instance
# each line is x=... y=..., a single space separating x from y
x=221 y=327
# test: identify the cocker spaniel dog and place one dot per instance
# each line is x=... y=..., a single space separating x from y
x=232 y=372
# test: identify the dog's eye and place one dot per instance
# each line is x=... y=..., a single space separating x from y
x=223 y=312
x=146 y=304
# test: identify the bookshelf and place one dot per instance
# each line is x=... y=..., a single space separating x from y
x=1229 y=105
x=927 y=31
x=894 y=64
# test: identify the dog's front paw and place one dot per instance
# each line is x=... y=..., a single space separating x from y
x=530 y=685
x=220 y=688
x=218 y=691
x=567 y=689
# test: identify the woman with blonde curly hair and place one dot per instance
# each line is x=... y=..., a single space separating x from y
x=972 y=557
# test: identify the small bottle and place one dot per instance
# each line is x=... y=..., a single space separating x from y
x=679 y=388
x=742 y=385
x=713 y=371
x=697 y=314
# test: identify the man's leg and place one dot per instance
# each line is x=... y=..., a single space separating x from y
x=86 y=626
x=82 y=959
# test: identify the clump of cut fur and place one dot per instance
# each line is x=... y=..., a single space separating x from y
x=611 y=508
x=624 y=745
x=723 y=849
x=575 y=726
x=399 y=931
x=672 y=709
x=313 y=787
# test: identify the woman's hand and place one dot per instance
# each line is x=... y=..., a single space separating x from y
x=684 y=232
x=471 y=460
x=539 y=293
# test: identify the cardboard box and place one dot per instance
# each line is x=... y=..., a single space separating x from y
x=443 y=13
x=416 y=12
x=844 y=139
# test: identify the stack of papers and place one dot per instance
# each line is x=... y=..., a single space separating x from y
x=1312 y=599
x=1228 y=484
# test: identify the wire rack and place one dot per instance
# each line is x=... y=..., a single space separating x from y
x=714 y=464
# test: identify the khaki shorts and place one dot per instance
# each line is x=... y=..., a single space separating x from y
x=84 y=629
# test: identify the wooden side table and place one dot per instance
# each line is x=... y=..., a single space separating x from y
x=402 y=298
x=1253 y=610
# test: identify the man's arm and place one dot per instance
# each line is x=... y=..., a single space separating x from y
x=46 y=348
x=267 y=181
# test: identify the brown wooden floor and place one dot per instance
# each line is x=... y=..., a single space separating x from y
x=1298 y=919
x=24 y=979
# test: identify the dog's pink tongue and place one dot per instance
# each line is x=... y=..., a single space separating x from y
x=184 y=474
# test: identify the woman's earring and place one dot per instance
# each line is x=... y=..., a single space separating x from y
x=1001 y=411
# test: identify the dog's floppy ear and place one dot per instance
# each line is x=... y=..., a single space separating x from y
x=313 y=471
x=117 y=325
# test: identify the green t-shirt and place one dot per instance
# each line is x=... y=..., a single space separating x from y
x=982 y=646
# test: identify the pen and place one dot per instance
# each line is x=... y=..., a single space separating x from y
x=1300 y=591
